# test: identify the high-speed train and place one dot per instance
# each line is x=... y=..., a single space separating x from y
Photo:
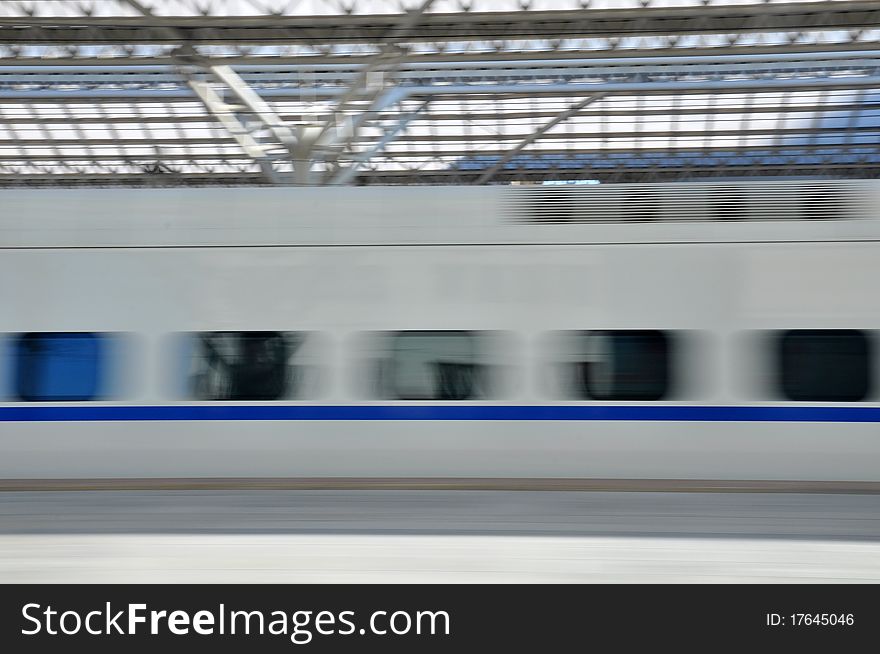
x=704 y=331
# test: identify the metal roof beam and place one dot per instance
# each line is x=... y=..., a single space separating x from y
x=610 y=154
x=211 y=179
x=372 y=87
x=537 y=134
x=394 y=134
x=355 y=78
x=189 y=61
x=467 y=91
x=505 y=52
x=213 y=102
x=290 y=142
x=102 y=117
x=345 y=175
x=255 y=104
x=456 y=26
x=225 y=114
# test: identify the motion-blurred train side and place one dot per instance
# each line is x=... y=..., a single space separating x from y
x=690 y=331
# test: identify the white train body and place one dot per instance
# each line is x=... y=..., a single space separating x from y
x=345 y=264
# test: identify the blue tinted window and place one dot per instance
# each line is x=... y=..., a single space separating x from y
x=59 y=366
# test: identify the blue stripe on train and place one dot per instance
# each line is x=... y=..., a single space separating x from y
x=85 y=413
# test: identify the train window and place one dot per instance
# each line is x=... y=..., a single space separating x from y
x=824 y=365
x=244 y=365
x=60 y=366
x=433 y=365
x=623 y=365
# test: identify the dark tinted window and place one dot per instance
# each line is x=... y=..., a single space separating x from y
x=433 y=365
x=59 y=366
x=623 y=365
x=831 y=365
x=243 y=365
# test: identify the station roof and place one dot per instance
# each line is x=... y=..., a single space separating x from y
x=196 y=92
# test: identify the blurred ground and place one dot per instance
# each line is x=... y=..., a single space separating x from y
x=437 y=536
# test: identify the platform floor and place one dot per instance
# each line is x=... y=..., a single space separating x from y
x=436 y=536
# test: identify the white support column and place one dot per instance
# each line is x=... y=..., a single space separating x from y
x=288 y=146
x=255 y=104
x=227 y=115
x=345 y=175
x=224 y=113
x=343 y=138
x=369 y=93
x=368 y=84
